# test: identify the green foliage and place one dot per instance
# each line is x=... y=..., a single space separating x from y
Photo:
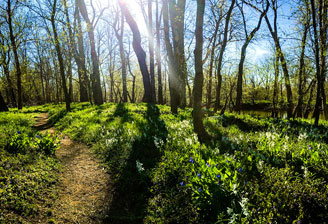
x=256 y=170
x=28 y=168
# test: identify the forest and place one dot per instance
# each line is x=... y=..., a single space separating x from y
x=163 y=111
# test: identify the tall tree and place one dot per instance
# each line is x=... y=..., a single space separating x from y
x=274 y=34
x=158 y=54
x=12 y=35
x=320 y=53
x=139 y=51
x=59 y=55
x=119 y=33
x=199 y=76
x=248 y=39
x=95 y=75
x=151 y=49
x=220 y=59
x=173 y=14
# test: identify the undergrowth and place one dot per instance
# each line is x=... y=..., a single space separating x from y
x=255 y=170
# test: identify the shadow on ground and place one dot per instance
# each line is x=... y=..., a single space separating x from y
x=131 y=195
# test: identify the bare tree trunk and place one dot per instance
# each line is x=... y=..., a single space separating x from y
x=17 y=64
x=275 y=87
x=243 y=56
x=199 y=76
x=318 y=104
x=3 y=105
x=60 y=57
x=173 y=80
x=158 y=55
x=95 y=77
x=119 y=37
x=85 y=90
x=282 y=59
x=308 y=107
x=151 y=49
x=224 y=44
x=210 y=72
x=141 y=54
x=299 y=108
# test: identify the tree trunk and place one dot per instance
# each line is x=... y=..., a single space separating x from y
x=3 y=105
x=177 y=14
x=119 y=37
x=199 y=76
x=224 y=44
x=282 y=60
x=158 y=55
x=60 y=57
x=173 y=80
x=17 y=64
x=318 y=104
x=151 y=49
x=209 y=87
x=299 y=108
x=275 y=87
x=95 y=77
x=141 y=54
x=84 y=83
x=243 y=56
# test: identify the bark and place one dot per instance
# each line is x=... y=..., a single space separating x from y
x=224 y=44
x=59 y=56
x=308 y=107
x=210 y=72
x=95 y=77
x=274 y=35
x=199 y=76
x=14 y=49
x=141 y=54
x=3 y=105
x=151 y=49
x=84 y=82
x=158 y=55
x=299 y=108
x=275 y=87
x=177 y=14
x=323 y=27
x=119 y=37
x=318 y=104
x=243 y=56
x=173 y=80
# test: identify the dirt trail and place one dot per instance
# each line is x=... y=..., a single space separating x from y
x=84 y=186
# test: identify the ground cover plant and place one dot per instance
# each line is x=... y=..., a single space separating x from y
x=255 y=170
x=28 y=167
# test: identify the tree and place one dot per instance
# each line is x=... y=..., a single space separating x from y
x=220 y=59
x=158 y=54
x=248 y=39
x=173 y=14
x=199 y=76
x=119 y=37
x=321 y=47
x=139 y=51
x=3 y=106
x=12 y=35
x=151 y=49
x=274 y=34
x=59 y=55
x=95 y=75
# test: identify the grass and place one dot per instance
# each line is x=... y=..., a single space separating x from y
x=255 y=170
x=28 y=169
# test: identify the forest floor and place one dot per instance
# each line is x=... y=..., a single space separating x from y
x=84 y=189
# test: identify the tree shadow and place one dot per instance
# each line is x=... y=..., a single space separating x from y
x=132 y=187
